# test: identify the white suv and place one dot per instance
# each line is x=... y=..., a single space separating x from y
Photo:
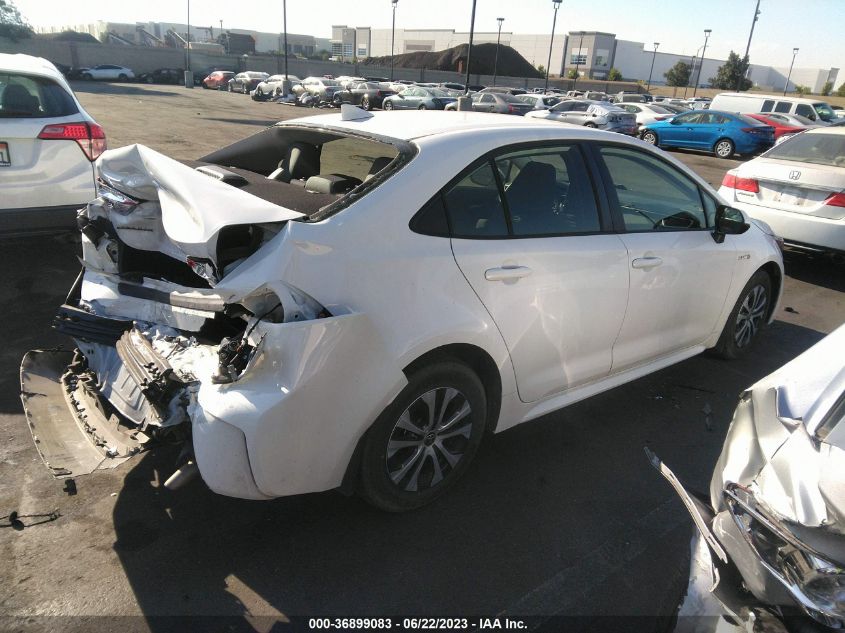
x=47 y=147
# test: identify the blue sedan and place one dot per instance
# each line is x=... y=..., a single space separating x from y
x=723 y=133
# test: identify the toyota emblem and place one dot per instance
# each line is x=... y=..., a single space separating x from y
x=794 y=174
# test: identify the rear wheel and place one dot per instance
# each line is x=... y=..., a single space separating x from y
x=423 y=442
x=724 y=148
x=649 y=137
x=231 y=89
x=87 y=76
x=590 y=124
x=122 y=77
x=747 y=318
x=244 y=89
x=388 y=105
x=421 y=106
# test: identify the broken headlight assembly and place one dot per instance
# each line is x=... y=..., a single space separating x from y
x=817 y=584
x=116 y=200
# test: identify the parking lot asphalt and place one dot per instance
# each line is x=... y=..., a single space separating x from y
x=560 y=516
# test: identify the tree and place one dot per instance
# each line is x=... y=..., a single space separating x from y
x=731 y=74
x=614 y=75
x=541 y=69
x=827 y=88
x=572 y=74
x=840 y=92
x=678 y=75
x=12 y=24
x=802 y=90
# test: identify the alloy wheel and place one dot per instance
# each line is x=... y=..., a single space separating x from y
x=429 y=439
x=724 y=149
x=751 y=314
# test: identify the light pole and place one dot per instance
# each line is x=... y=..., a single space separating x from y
x=496 y=62
x=651 y=70
x=551 y=43
x=691 y=71
x=469 y=52
x=748 y=46
x=189 y=78
x=392 y=36
x=578 y=59
x=789 y=76
x=707 y=33
x=285 y=28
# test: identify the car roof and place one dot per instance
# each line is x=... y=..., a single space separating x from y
x=415 y=124
x=28 y=64
x=826 y=129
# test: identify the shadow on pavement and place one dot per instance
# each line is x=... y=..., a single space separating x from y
x=560 y=516
x=99 y=87
x=822 y=270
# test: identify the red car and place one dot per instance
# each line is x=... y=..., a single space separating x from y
x=218 y=80
x=782 y=128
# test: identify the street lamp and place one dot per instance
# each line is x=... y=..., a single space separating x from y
x=748 y=46
x=285 y=28
x=578 y=59
x=469 y=56
x=651 y=70
x=551 y=43
x=786 y=87
x=707 y=33
x=496 y=62
x=392 y=36
x=692 y=70
x=189 y=80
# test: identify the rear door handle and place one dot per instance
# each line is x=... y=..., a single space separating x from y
x=506 y=272
x=646 y=262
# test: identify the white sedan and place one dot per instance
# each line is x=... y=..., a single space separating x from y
x=107 y=72
x=272 y=86
x=48 y=145
x=647 y=112
x=391 y=289
x=798 y=188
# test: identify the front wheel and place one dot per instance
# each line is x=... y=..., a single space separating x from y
x=87 y=76
x=590 y=124
x=421 y=106
x=423 y=442
x=365 y=103
x=747 y=318
x=122 y=77
x=230 y=88
x=649 y=137
x=388 y=105
x=244 y=89
x=724 y=148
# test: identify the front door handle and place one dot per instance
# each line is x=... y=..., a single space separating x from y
x=506 y=272
x=646 y=262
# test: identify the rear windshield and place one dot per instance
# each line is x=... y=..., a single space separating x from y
x=511 y=99
x=749 y=120
x=28 y=96
x=253 y=75
x=819 y=149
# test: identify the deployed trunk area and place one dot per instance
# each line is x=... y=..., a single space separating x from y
x=181 y=264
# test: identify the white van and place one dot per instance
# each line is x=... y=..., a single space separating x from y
x=744 y=102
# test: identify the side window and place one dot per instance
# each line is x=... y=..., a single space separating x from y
x=783 y=106
x=475 y=206
x=580 y=107
x=804 y=110
x=548 y=191
x=487 y=99
x=768 y=104
x=652 y=195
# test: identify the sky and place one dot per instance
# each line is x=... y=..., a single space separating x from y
x=814 y=26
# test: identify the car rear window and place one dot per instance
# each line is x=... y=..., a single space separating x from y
x=749 y=120
x=511 y=99
x=819 y=149
x=29 y=96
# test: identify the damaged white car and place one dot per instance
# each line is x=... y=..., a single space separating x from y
x=770 y=545
x=353 y=300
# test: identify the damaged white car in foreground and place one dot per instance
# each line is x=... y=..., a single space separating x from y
x=770 y=544
x=354 y=300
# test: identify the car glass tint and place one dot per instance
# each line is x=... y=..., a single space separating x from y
x=549 y=192
x=768 y=104
x=824 y=111
x=25 y=96
x=783 y=106
x=475 y=206
x=804 y=110
x=652 y=195
x=819 y=149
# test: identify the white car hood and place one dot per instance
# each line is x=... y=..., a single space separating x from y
x=772 y=448
x=194 y=206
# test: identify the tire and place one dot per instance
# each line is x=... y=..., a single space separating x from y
x=590 y=124
x=365 y=103
x=747 y=318
x=259 y=94
x=424 y=463
x=87 y=77
x=650 y=137
x=122 y=77
x=724 y=148
x=229 y=86
x=149 y=80
x=421 y=107
x=388 y=105
x=244 y=90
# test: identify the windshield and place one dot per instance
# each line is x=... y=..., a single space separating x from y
x=436 y=92
x=550 y=101
x=824 y=111
x=818 y=149
x=659 y=109
x=511 y=99
x=33 y=96
x=253 y=75
x=329 y=82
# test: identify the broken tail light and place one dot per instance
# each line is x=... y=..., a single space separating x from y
x=116 y=200
x=89 y=136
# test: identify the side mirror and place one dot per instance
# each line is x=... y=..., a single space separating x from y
x=729 y=221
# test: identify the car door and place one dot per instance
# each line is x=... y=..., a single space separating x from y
x=485 y=104
x=681 y=130
x=538 y=250
x=561 y=111
x=578 y=113
x=679 y=275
